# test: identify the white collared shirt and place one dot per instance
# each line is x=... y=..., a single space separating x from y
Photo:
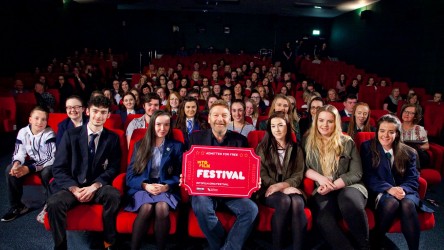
x=96 y=140
x=392 y=159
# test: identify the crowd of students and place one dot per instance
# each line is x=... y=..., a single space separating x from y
x=83 y=157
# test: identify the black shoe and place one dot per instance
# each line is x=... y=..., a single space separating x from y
x=14 y=212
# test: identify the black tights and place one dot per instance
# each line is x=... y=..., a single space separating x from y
x=349 y=204
x=287 y=207
x=391 y=208
x=161 y=225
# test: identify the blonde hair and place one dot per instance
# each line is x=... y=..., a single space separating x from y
x=326 y=150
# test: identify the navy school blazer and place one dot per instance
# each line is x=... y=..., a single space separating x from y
x=170 y=168
x=71 y=168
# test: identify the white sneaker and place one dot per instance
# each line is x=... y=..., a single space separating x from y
x=41 y=216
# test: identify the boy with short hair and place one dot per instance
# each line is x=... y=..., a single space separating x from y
x=34 y=152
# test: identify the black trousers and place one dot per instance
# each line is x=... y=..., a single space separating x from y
x=60 y=202
x=15 y=185
x=348 y=204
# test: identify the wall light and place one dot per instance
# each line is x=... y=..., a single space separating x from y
x=316 y=32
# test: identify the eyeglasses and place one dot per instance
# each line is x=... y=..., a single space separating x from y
x=227 y=95
x=409 y=113
x=255 y=97
x=317 y=108
x=77 y=107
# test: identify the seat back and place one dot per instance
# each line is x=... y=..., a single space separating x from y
x=123 y=149
x=8 y=111
x=114 y=122
x=255 y=137
x=25 y=102
x=433 y=120
x=378 y=113
x=56 y=94
x=361 y=137
x=137 y=135
x=337 y=105
x=54 y=119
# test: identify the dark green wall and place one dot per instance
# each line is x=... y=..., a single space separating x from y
x=402 y=40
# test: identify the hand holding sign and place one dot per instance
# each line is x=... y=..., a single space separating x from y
x=220 y=171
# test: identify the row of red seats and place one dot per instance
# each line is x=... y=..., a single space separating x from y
x=88 y=217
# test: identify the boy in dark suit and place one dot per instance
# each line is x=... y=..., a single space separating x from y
x=87 y=160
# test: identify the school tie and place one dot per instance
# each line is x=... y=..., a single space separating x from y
x=189 y=126
x=91 y=148
x=389 y=157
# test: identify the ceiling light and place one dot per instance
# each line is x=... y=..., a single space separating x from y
x=318 y=7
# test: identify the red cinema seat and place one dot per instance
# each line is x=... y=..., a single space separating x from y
x=8 y=111
x=56 y=94
x=338 y=105
x=126 y=219
x=54 y=119
x=25 y=102
x=123 y=149
x=255 y=137
x=426 y=220
x=114 y=122
x=377 y=113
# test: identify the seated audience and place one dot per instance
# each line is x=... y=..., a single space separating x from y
x=334 y=164
x=44 y=99
x=251 y=111
x=391 y=102
x=152 y=178
x=413 y=134
x=129 y=102
x=313 y=106
x=360 y=120
x=391 y=175
x=150 y=103
x=349 y=104
x=332 y=96
x=85 y=176
x=76 y=117
x=34 y=153
x=172 y=104
x=188 y=118
x=437 y=97
x=238 y=115
x=282 y=103
x=282 y=171
x=204 y=207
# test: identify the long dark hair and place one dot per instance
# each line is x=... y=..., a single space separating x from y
x=401 y=151
x=270 y=146
x=148 y=142
x=181 y=122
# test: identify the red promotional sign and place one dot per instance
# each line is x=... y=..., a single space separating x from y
x=220 y=171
